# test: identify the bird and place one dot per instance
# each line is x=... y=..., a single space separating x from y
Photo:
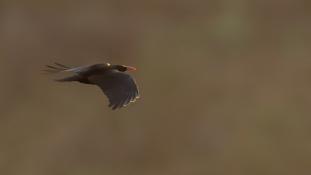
x=119 y=87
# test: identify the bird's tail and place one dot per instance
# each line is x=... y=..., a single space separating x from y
x=56 y=68
x=60 y=68
x=68 y=79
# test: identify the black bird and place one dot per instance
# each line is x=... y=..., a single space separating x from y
x=118 y=86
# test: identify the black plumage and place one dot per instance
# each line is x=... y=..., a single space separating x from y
x=118 y=86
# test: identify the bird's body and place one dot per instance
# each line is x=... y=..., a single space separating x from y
x=119 y=87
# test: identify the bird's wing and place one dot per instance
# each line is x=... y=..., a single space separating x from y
x=119 y=87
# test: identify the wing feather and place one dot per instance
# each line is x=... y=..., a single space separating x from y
x=119 y=87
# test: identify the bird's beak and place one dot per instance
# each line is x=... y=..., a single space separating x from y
x=130 y=68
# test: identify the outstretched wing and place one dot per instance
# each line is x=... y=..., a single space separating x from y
x=119 y=87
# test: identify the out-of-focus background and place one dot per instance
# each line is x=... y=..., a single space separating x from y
x=225 y=88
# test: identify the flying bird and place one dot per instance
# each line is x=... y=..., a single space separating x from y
x=118 y=86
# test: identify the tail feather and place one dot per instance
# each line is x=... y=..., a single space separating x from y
x=56 y=68
x=68 y=79
x=61 y=65
x=60 y=68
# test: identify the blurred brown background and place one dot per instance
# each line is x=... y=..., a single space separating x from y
x=225 y=88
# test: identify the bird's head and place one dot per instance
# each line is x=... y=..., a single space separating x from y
x=123 y=68
x=102 y=66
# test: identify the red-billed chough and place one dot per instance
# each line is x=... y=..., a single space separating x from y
x=118 y=86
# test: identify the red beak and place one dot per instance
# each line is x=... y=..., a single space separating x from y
x=129 y=68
